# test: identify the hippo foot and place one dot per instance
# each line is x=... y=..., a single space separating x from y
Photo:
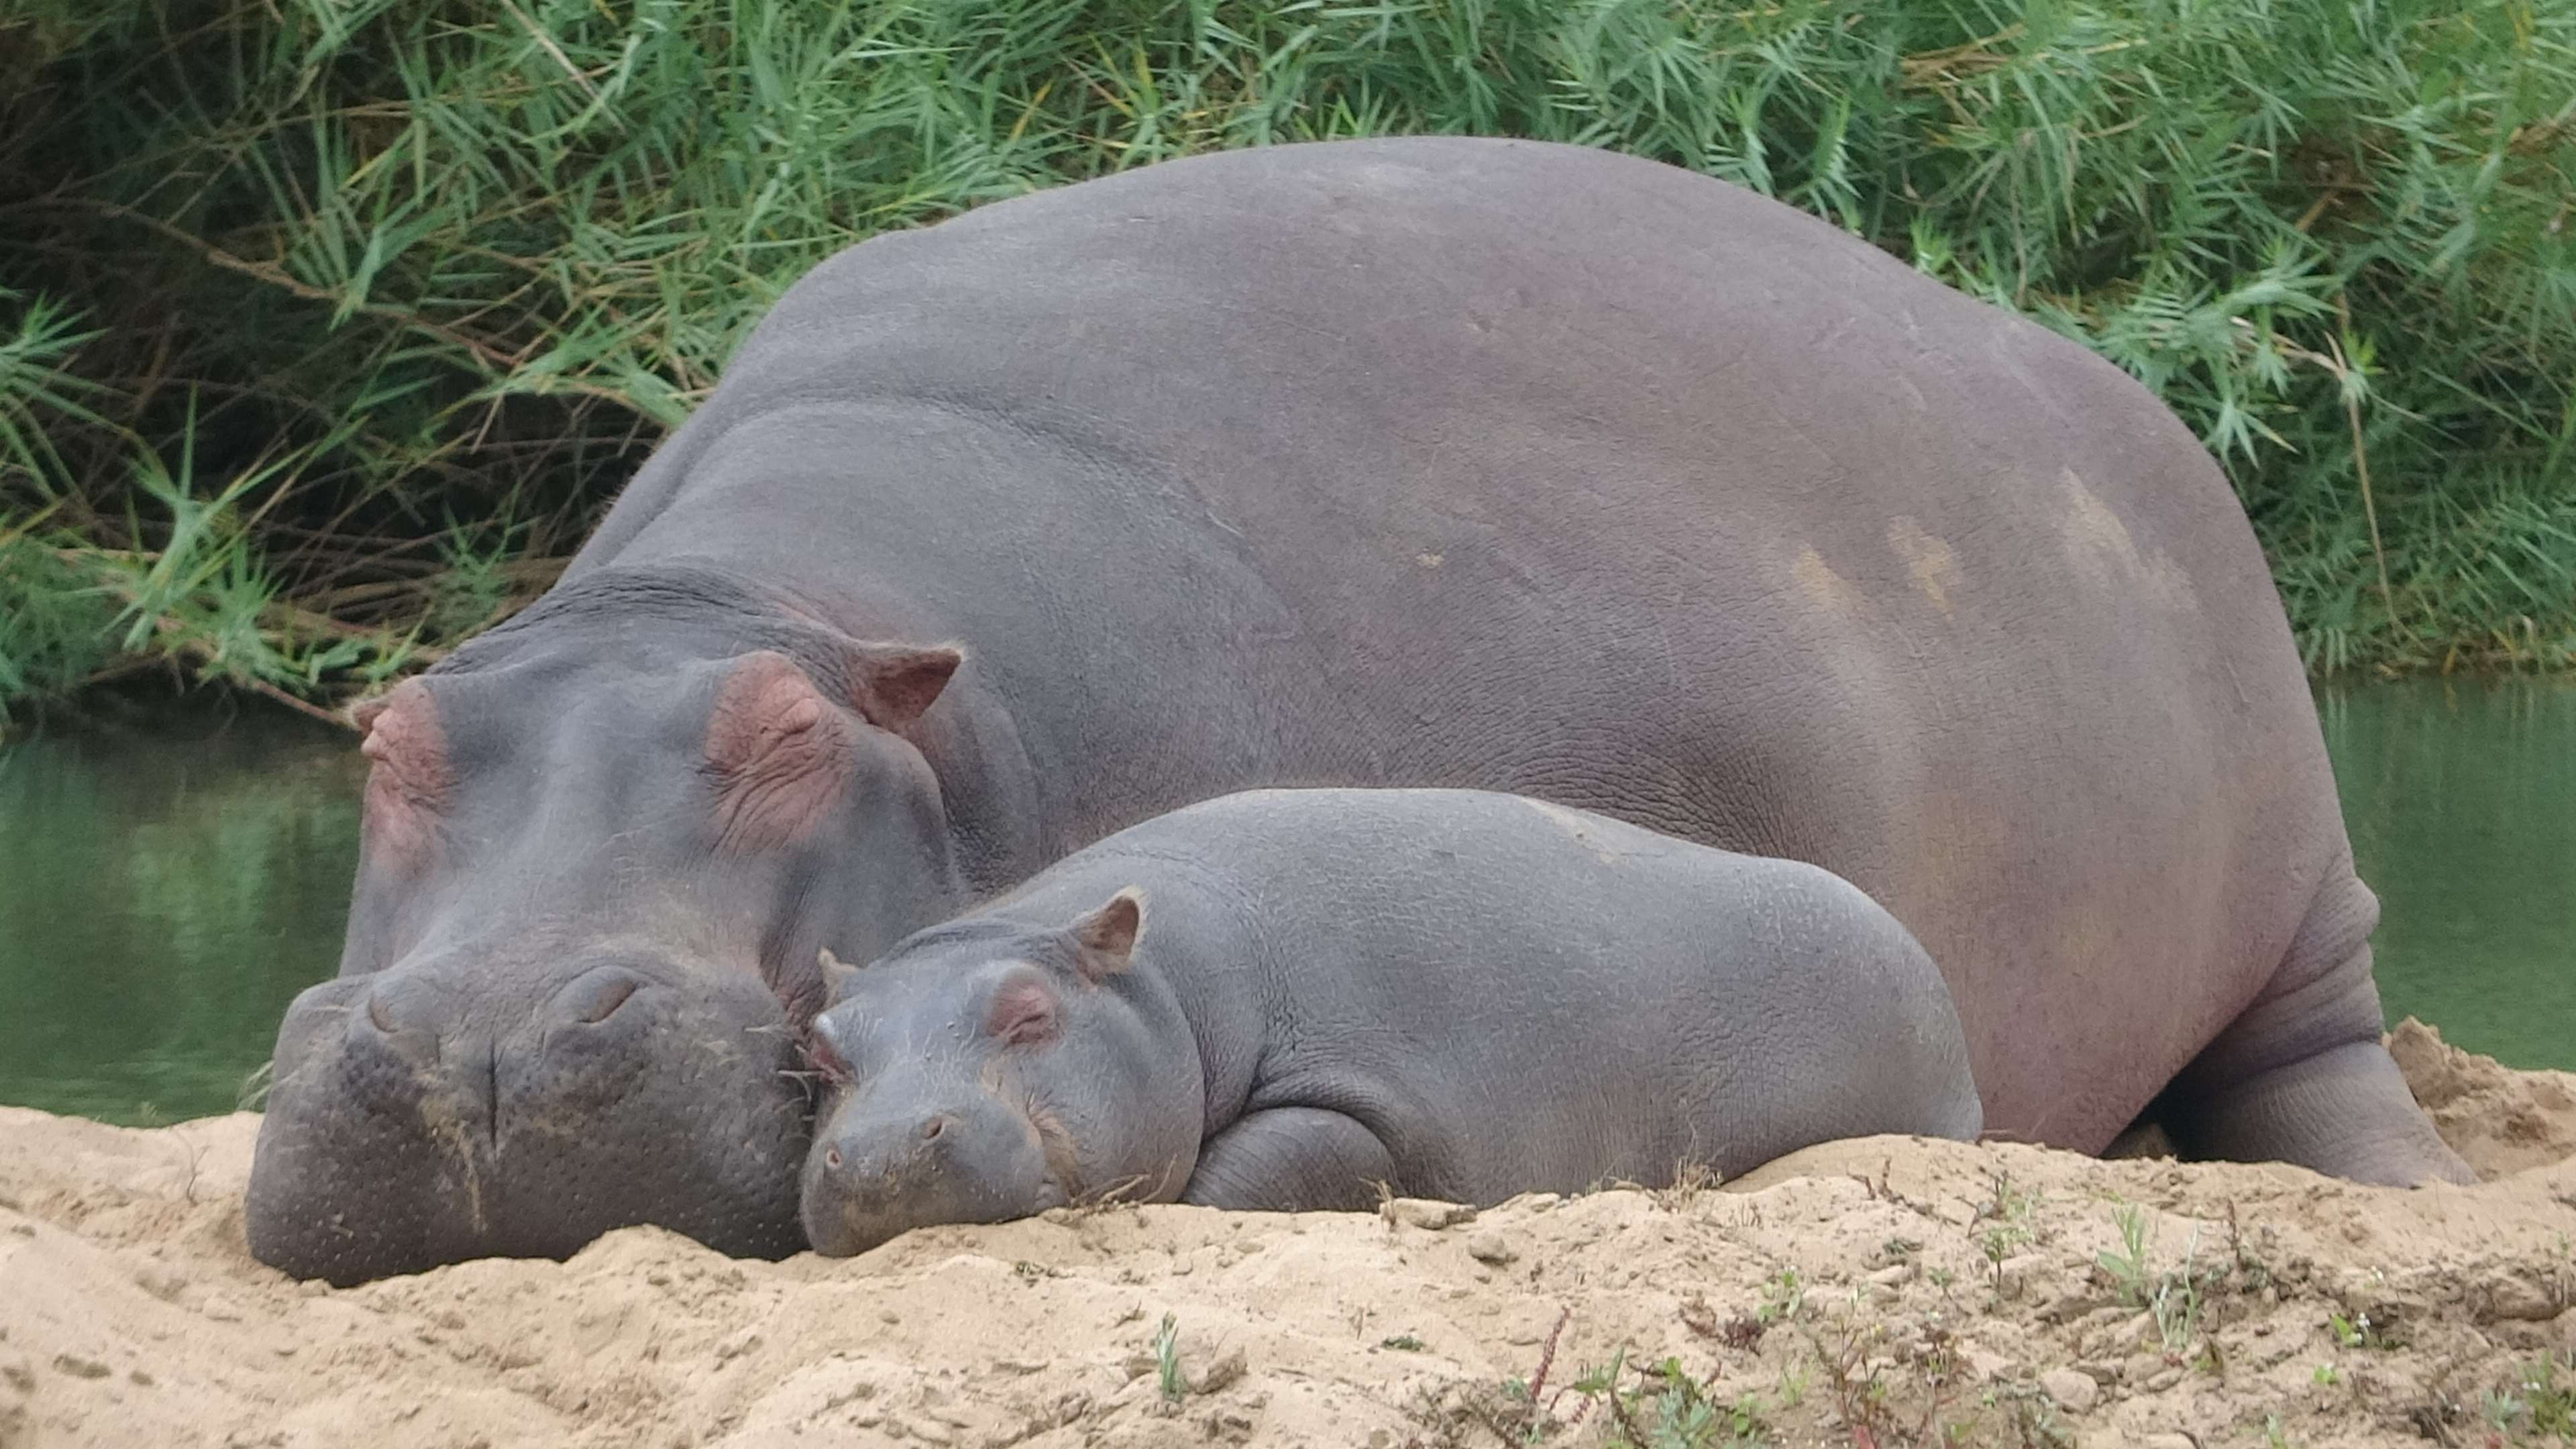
x=2345 y=1112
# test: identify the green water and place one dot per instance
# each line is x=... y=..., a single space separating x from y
x=2460 y=796
x=166 y=887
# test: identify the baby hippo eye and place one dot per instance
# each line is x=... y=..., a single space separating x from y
x=1022 y=1014
x=825 y=1057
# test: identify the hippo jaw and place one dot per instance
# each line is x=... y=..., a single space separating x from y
x=404 y=1132
x=885 y=1162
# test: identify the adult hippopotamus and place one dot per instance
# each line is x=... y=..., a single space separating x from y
x=1285 y=1000
x=1432 y=462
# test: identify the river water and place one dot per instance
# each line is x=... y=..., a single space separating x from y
x=165 y=889
x=2460 y=797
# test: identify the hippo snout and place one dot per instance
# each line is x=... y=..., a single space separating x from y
x=419 y=1116
x=403 y=1005
x=876 y=1171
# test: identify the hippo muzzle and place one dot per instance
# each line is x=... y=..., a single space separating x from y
x=881 y=1167
x=418 y=1120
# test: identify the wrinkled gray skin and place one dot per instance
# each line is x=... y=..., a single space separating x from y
x=1277 y=1000
x=1418 y=462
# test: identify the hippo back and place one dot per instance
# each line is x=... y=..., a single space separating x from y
x=1539 y=469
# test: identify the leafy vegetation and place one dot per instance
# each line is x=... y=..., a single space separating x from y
x=328 y=326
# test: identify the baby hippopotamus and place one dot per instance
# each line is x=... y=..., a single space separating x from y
x=1283 y=999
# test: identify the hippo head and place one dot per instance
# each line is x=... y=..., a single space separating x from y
x=602 y=850
x=988 y=1070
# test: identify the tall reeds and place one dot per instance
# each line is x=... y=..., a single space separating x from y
x=326 y=325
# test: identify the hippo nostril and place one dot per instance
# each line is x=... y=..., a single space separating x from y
x=406 y=1017
x=931 y=1129
x=609 y=1000
x=595 y=996
x=832 y=1158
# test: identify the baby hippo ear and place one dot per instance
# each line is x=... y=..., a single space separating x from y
x=1107 y=937
x=836 y=974
x=892 y=684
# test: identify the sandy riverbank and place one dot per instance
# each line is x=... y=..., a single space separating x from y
x=1965 y=1282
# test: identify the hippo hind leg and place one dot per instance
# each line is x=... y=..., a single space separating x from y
x=2300 y=1075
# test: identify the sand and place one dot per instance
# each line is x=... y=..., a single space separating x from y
x=1876 y=1292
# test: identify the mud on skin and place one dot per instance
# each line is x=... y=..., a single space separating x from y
x=1435 y=461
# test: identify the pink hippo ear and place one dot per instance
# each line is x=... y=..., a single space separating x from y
x=892 y=684
x=1107 y=937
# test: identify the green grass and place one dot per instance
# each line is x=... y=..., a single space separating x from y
x=2537 y=1406
x=327 y=327
x=2177 y=1298
x=1175 y=1385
